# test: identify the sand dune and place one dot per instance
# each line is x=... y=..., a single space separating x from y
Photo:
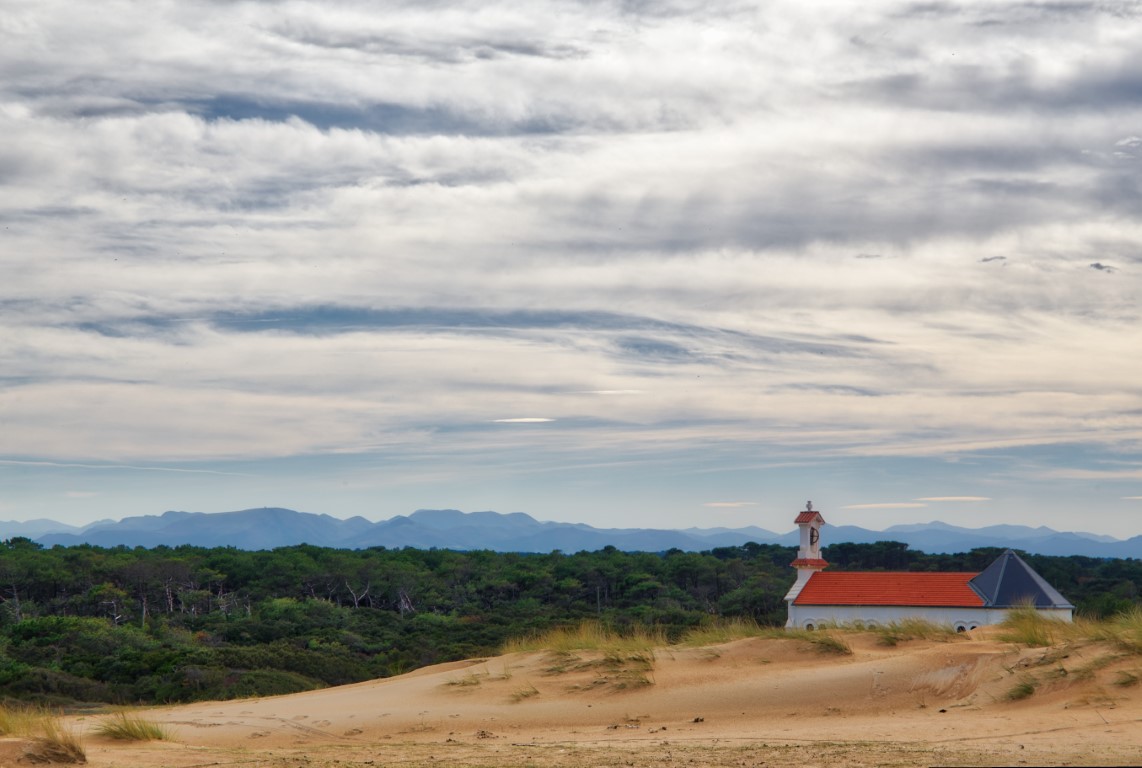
x=746 y=703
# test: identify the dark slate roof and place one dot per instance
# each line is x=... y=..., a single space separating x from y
x=1010 y=582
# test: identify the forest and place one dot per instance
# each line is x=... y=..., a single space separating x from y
x=172 y=624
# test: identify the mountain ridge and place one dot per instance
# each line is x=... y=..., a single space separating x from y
x=271 y=527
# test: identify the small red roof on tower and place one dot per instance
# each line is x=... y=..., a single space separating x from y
x=889 y=588
x=809 y=515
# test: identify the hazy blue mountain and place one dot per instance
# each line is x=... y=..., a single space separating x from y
x=263 y=528
x=266 y=528
x=33 y=529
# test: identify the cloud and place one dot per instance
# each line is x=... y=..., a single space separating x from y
x=523 y=420
x=305 y=231
x=886 y=505
x=955 y=498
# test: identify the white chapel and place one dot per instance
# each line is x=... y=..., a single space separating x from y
x=964 y=600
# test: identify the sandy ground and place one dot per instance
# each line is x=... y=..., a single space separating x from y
x=757 y=702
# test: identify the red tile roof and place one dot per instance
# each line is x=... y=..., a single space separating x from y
x=889 y=588
x=808 y=516
x=812 y=562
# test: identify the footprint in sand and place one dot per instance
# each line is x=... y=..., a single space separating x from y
x=353 y=731
x=259 y=734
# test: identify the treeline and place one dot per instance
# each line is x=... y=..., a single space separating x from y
x=188 y=623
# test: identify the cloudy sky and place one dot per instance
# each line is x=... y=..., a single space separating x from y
x=620 y=262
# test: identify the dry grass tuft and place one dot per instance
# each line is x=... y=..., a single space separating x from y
x=824 y=640
x=914 y=629
x=525 y=693
x=468 y=680
x=124 y=727
x=1123 y=631
x=1021 y=690
x=1028 y=626
x=22 y=721
x=55 y=744
x=723 y=631
x=590 y=636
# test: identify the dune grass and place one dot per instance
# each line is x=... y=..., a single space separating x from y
x=720 y=631
x=1027 y=626
x=124 y=727
x=49 y=740
x=914 y=629
x=1124 y=631
x=524 y=693
x=590 y=636
x=1021 y=690
x=825 y=640
x=22 y=721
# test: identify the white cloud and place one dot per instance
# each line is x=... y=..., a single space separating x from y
x=691 y=189
x=886 y=505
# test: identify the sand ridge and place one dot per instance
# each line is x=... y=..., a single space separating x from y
x=922 y=702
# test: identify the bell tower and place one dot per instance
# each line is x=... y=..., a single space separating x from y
x=809 y=559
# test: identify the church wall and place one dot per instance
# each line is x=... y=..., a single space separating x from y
x=800 y=616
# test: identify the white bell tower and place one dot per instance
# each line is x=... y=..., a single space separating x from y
x=809 y=559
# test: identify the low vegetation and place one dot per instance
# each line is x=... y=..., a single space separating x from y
x=914 y=629
x=1027 y=626
x=124 y=727
x=825 y=640
x=1021 y=690
x=590 y=636
x=48 y=739
x=718 y=631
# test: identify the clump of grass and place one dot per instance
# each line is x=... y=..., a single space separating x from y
x=1123 y=630
x=1028 y=626
x=722 y=631
x=825 y=641
x=124 y=727
x=470 y=679
x=525 y=693
x=1126 y=679
x=589 y=636
x=55 y=744
x=1022 y=689
x=631 y=678
x=22 y=721
x=637 y=660
x=914 y=629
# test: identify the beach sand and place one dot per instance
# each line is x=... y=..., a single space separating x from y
x=753 y=702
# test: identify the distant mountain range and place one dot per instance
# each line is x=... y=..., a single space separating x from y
x=267 y=528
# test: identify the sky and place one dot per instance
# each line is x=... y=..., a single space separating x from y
x=626 y=263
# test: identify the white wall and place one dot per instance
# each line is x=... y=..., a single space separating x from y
x=801 y=616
